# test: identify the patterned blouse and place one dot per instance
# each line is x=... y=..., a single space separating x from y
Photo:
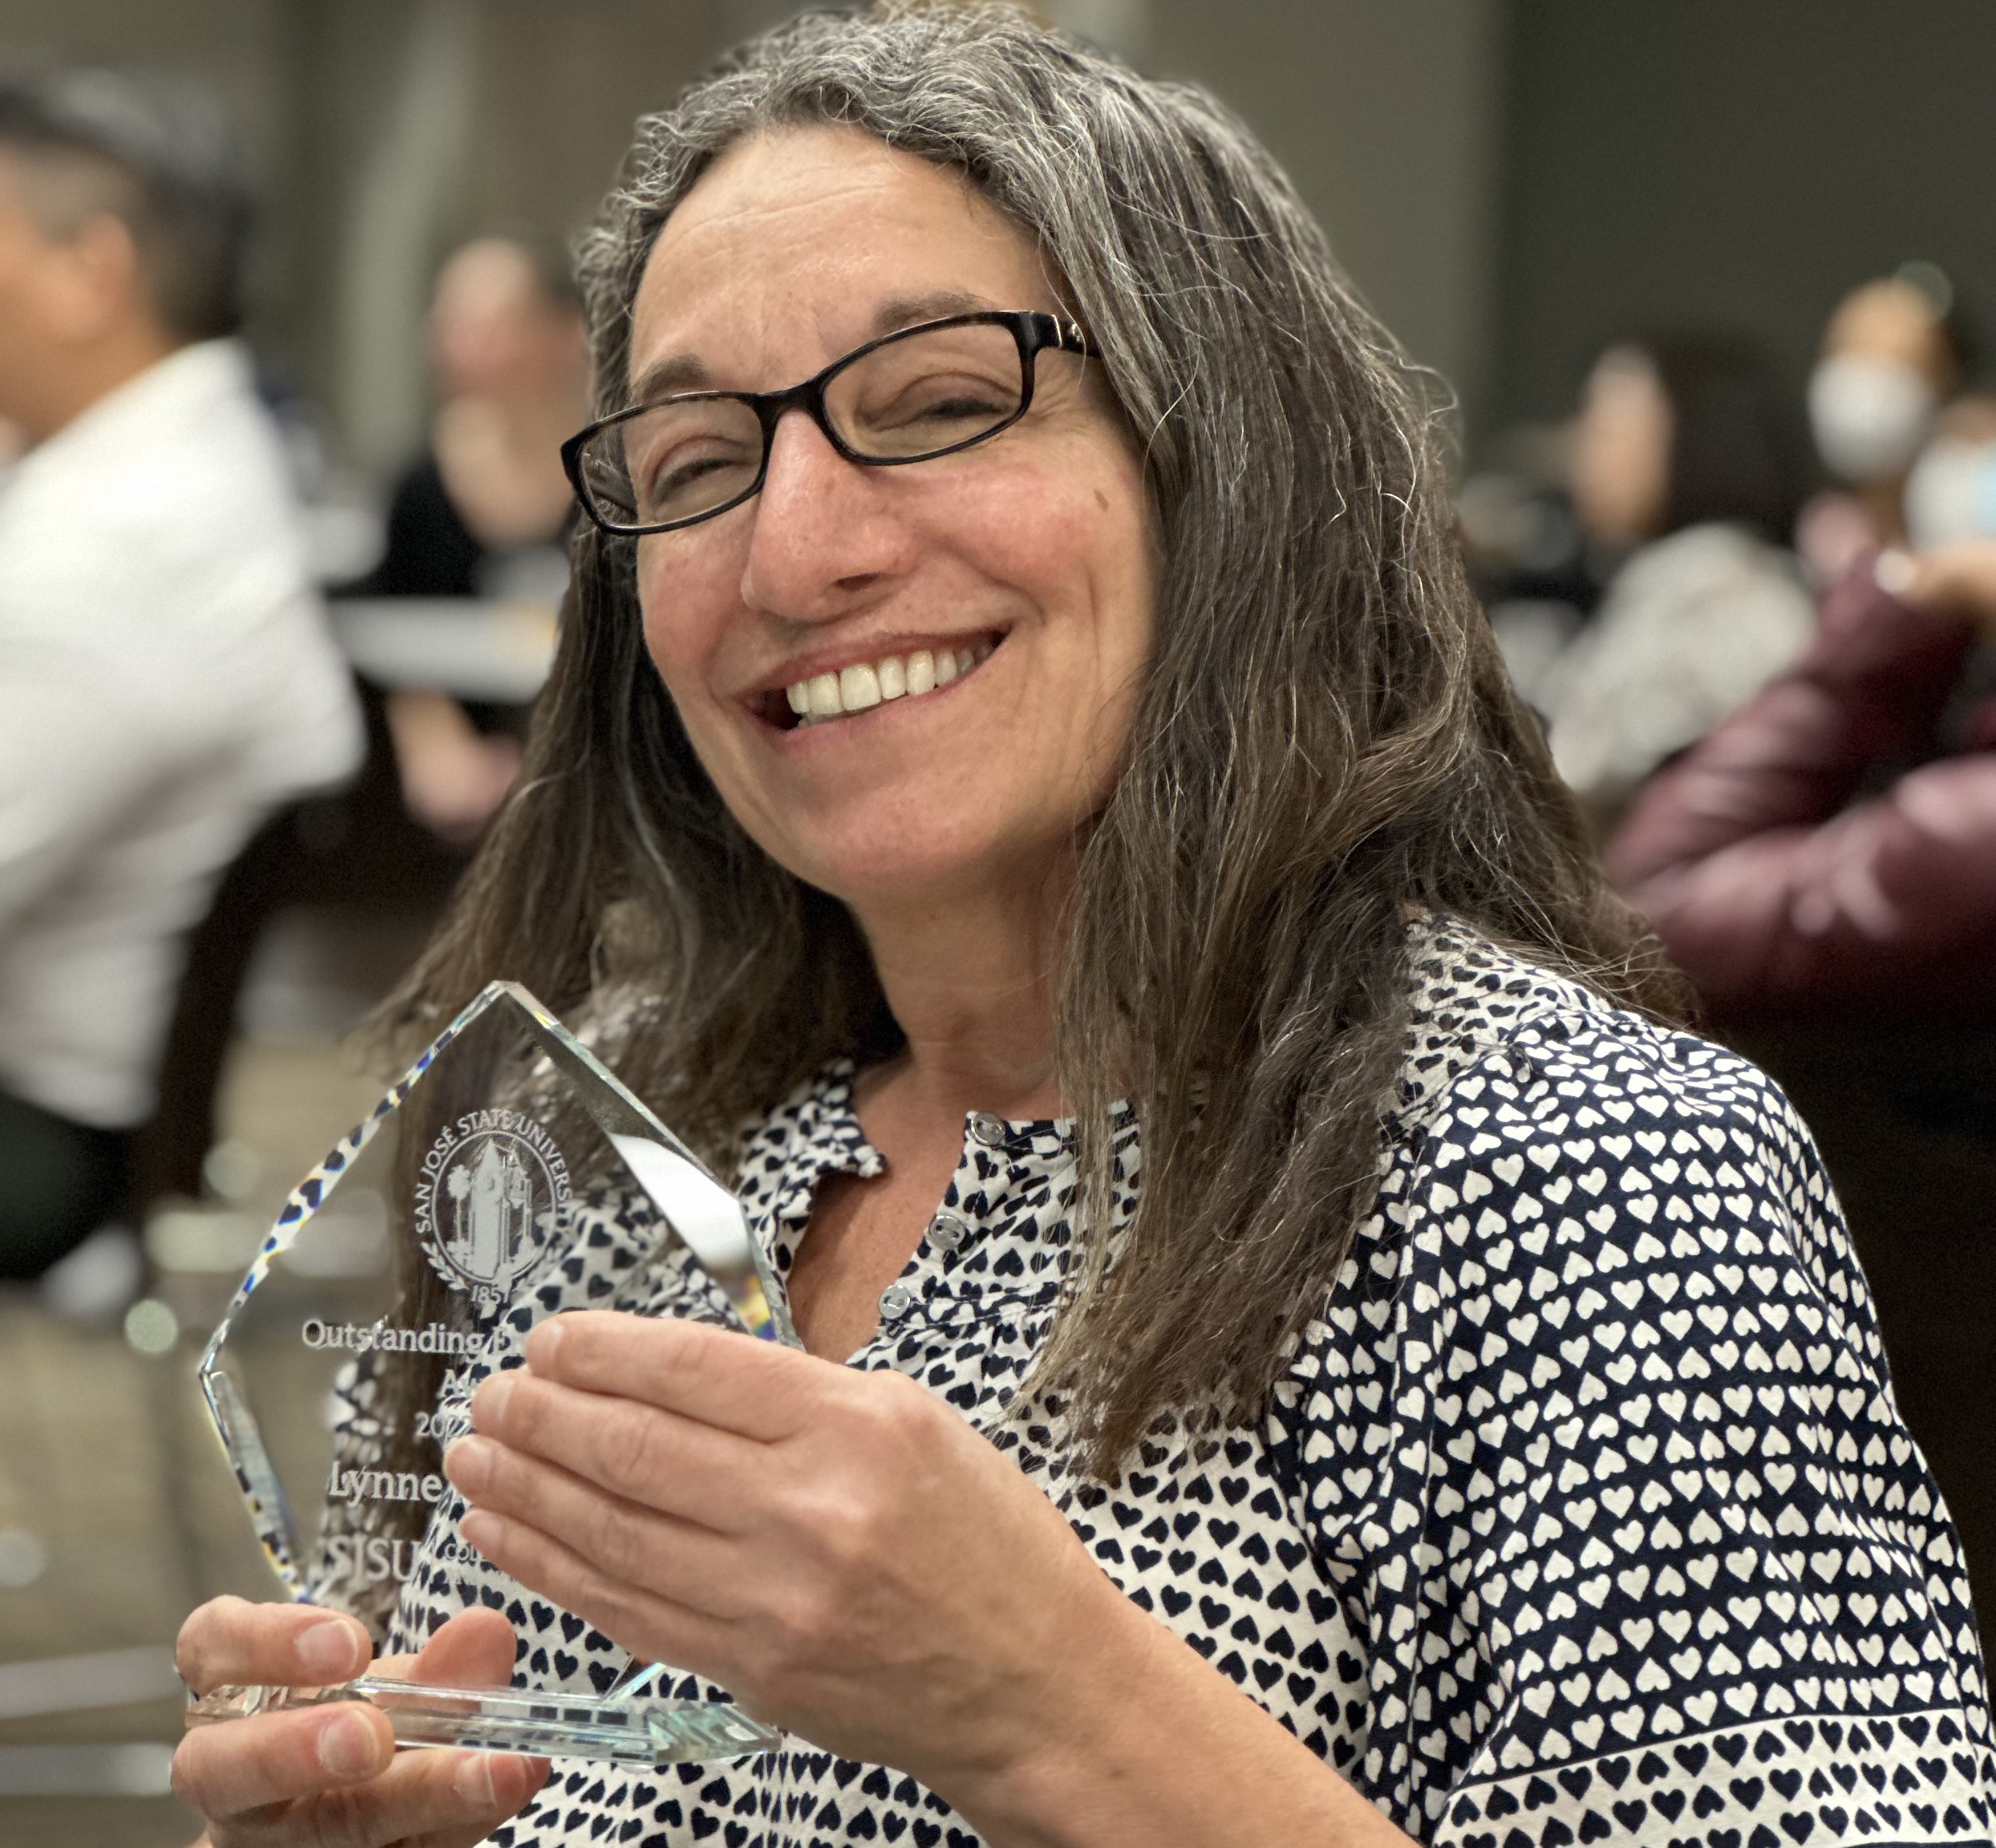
x=1583 y=1514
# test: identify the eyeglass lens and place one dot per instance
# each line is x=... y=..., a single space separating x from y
x=933 y=391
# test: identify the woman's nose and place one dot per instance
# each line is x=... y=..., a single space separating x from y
x=825 y=536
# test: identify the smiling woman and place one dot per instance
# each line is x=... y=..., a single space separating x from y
x=1299 y=1349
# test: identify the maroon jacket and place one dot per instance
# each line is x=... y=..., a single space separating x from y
x=1774 y=896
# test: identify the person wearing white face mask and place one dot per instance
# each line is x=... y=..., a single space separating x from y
x=1889 y=361
x=1951 y=493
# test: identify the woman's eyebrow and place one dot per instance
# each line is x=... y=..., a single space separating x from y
x=676 y=372
x=686 y=371
x=933 y=304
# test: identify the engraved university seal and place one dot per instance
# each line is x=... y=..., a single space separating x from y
x=493 y=1191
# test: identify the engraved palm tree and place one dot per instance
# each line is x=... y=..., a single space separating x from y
x=520 y=1197
x=458 y=1184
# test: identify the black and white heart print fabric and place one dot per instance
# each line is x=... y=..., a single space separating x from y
x=1583 y=1515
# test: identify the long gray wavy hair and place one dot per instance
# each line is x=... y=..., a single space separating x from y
x=1326 y=742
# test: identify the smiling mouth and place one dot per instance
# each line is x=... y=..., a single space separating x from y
x=825 y=697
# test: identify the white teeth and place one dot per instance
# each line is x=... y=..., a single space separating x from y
x=858 y=687
x=867 y=684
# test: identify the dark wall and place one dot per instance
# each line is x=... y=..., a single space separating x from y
x=1384 y=114
x=1709 y=160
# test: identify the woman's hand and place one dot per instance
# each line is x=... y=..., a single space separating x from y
x=453 y=779
x=840 y=1549
x=332 y=1774
x=854 y=1562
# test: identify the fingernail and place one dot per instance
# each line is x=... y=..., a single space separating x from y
x=468 y=1464
x=488 y=1403
x=482 y=1529
x=472 y=1779
x=544 y=1343
x=347 y=1748
x=329 y=1651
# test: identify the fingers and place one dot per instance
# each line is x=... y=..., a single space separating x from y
x=446 y=1798
x=332 y=1774
x=753 y=1388
x=658 y=1458
x=633 y=1545
x=653 y=1627
x=229 y=1639
x=461 y=1795
x=243 y=1765
x=475 y=1649
x=469 y=1793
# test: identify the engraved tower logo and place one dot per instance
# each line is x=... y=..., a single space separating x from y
x=493 y=1190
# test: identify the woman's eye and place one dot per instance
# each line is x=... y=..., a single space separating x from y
x=946 y=400
x=962 y=404
x=955 y=395
x=685 y=471
x=681 y=474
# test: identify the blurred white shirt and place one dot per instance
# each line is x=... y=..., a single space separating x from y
x=1692 y=627
x=167 y=681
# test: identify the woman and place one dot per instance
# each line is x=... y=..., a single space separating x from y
x=1686 y=459
x=485 y=511
x=1198 y=858
x=1893 y=354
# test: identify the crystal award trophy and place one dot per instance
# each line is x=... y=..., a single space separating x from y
x=424 y=1245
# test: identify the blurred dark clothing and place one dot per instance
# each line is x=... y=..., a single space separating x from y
x=1779 y=901
x=63 y=1180
x=430 y=551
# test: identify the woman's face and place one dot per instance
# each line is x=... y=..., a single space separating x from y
x=1622 y=449
x=1029 y=555
x=493 y=332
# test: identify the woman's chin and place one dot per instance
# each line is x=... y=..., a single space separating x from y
x=895 y=872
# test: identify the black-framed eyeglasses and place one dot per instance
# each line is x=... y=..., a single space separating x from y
x=926 y=391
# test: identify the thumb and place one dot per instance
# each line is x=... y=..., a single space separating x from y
x=474 y=1649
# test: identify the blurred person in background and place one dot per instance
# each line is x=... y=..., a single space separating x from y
x=1688 y=456
x=1951 y=493
x=1775 y=893
x=1891 y=356
x=166 y=681
x=484 y=511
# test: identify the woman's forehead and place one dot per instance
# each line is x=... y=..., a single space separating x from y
x=805 y=240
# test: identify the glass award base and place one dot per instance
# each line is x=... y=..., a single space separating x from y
x=636 y=1732
x=415 y=1258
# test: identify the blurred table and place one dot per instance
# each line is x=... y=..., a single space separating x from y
x=492 y=652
